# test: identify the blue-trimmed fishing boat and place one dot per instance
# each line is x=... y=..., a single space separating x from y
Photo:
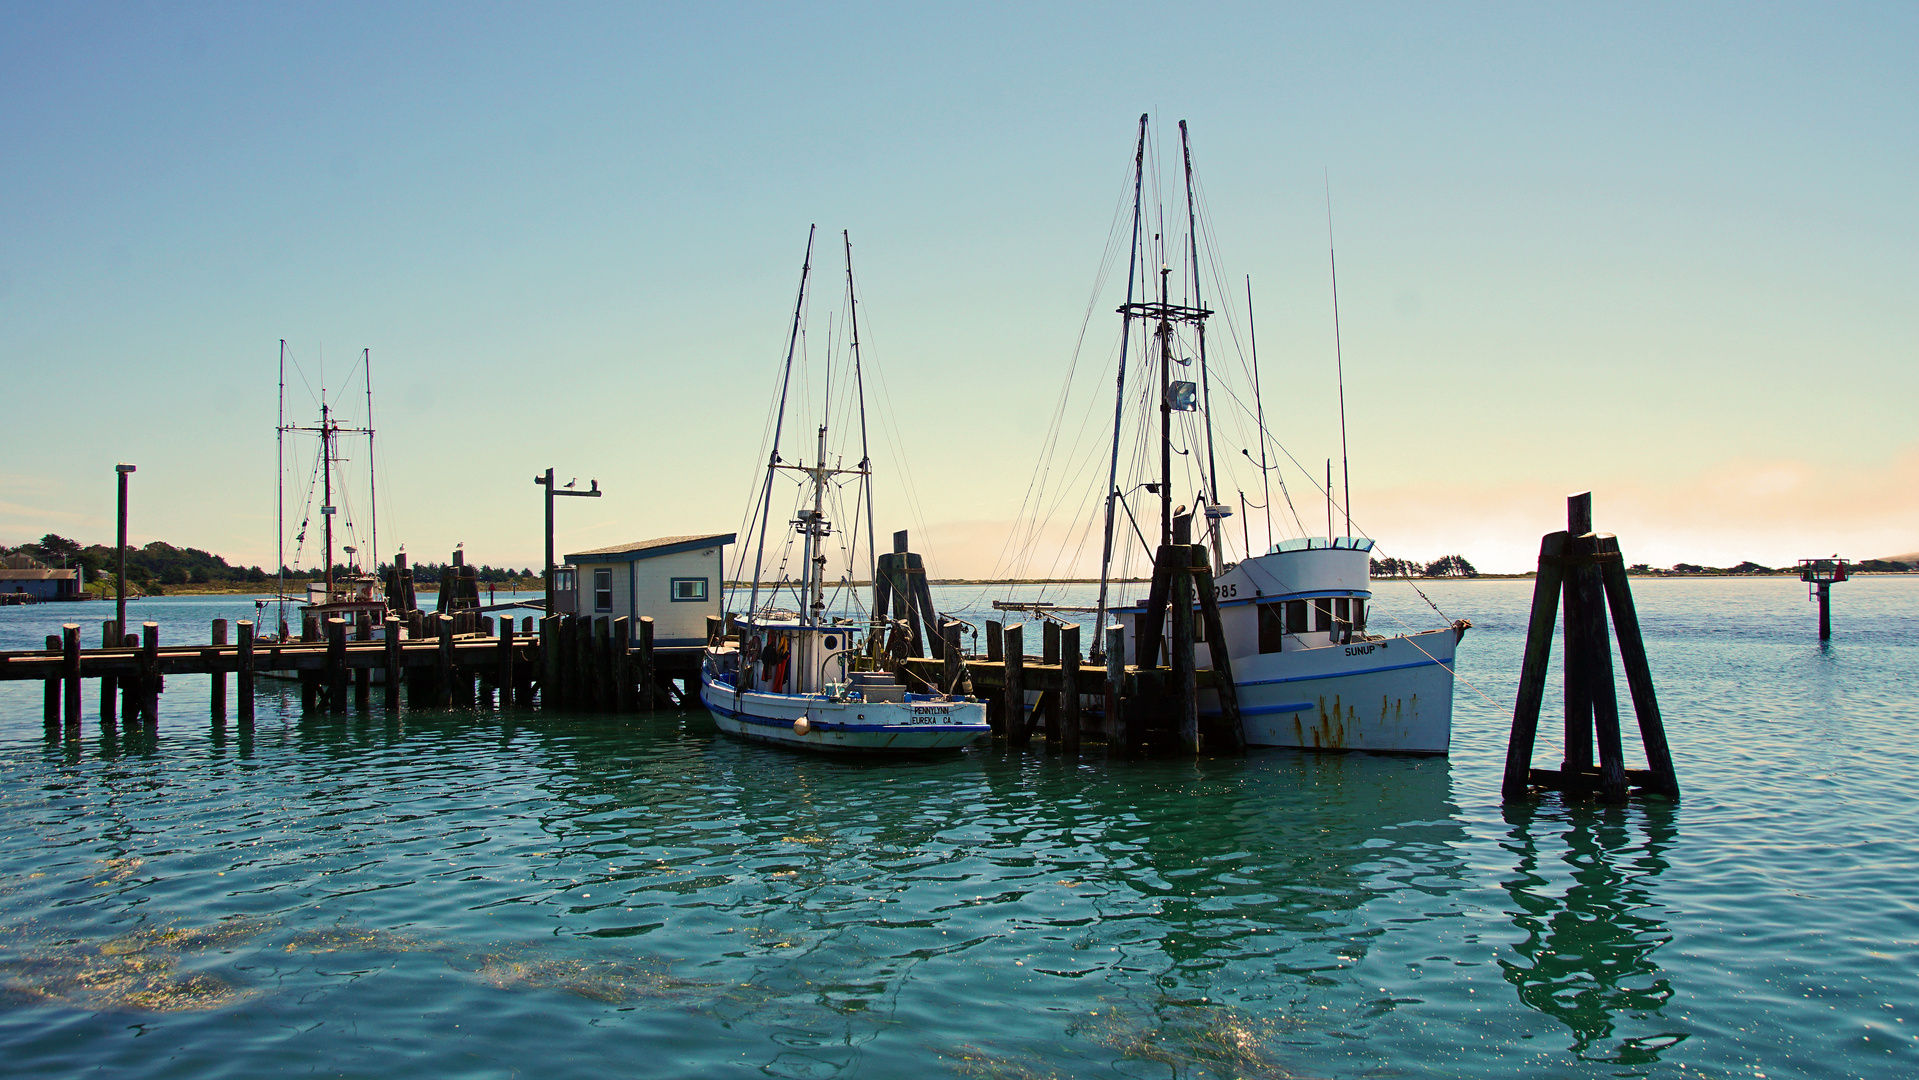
x=814 y=675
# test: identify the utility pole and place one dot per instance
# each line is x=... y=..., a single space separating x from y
x=120 y=586
x=546 y=481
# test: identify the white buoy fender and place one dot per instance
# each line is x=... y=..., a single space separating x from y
x=802 y=726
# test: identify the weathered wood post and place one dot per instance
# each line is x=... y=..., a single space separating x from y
x=623 y=664
x=649 y=688
x=336 y=679
x=1017 y=734
x=109 y=639
x=1216 y=648
x=443 y=688
x=503 y=664
x=362 y=673
x=1185 y=675
x=217 y=676
x=244 y=665
x=995 y=651
x=1048 y=642
x=550 y=661
x=390 y=692
x=1048 y=703
x=1632 y=657
x=70 y=670
x=1115 y=654
x=50 y=706
x=589 y=679
x=130 y=693
x=602 y=664
x=1578 y=594
x=309 y=680
x=1069 y=690
x=150 y=684
x=952 y=665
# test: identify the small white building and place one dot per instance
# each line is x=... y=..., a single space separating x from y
x=674 y=579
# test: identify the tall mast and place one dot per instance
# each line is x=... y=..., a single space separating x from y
x=1346 y=483
x=1165 y=412
x=326 y=490
x=779 y=423
x=373 y=498
x=1205 y=389
x=866 y=459
x=1259 y=407
x=279 y=486
x=1119 y=398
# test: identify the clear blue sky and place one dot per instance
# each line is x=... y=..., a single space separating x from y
x=1666 y=252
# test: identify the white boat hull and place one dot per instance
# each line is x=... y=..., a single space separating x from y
x=1389 y=694
x=844 y=726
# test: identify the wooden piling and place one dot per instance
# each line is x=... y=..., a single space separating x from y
x=1115 y=656
x=50 y=707
x=130 y=696
x=649 y=687
x=623 y=664
x=1632 y=657
x=1048 y=642
x=503 y=665
x=1069 y=701
x=70 y=670
x=363 y=676
x=1533 y=667
x=309 y=680
x=550 y=661
x=443 y=688
x=1146 y=637
x=602 y=664
x=150 y=683
x=244 y=706
x=1223 y=685
x=1578 y=592
x=390 y=691
x=217 y=678
x=109 y=639
x=995 y=651
x=336 y=680
x=1017 y=733
x=953 y=667
x=1185 y=675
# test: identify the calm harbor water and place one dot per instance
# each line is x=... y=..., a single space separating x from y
x=488 y=894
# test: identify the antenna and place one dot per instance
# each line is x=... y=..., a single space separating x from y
x=1340 y=362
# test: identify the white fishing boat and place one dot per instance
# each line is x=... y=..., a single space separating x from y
x=1307 y=670
x=816 y=676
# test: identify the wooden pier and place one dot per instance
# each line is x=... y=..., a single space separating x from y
x=457 y=660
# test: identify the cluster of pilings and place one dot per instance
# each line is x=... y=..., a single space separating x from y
x=1585 y=571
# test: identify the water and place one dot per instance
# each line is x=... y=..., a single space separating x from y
x=487 y=895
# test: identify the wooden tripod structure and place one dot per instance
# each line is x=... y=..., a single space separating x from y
x=1577 y=566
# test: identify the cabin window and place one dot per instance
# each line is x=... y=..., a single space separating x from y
x=603 y=589
x=1272 y=628
x=688 y=588
x=1359 y=615
x=1295 y=616
x=1323 y=615
x=1342 y=612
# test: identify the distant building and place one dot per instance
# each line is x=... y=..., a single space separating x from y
x=674 y=579
x=25 y=574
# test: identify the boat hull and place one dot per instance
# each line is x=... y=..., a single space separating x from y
x=845 y=726
x=1390 y=695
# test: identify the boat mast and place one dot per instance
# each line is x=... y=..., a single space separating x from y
x=1165 y=410
x=779 y=423
x=1119 y=402
x=280 y=487
x=1205 y=388
x=866 y=458
x=373 y=499
x=326 y=490
x=1339 y=360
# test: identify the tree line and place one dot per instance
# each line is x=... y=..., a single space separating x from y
x=1445 y=566
x=160 y=563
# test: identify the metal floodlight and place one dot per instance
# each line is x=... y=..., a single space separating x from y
x=1183 y=397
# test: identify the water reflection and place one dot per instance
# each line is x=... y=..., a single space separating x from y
x=1583 y=892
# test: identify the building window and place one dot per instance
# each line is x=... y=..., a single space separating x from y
x=688 y=588
x=603 y=590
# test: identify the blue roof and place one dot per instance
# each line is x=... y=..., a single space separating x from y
x=651 y=549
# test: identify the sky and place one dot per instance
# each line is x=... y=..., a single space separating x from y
x=1665 y=253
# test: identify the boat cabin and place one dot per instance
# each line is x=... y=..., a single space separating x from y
x=1306 y=593
x=673 y=579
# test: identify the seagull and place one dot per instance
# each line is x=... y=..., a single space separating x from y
x=571 y=482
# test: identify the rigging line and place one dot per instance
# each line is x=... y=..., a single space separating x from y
x=1106 y=554
x=1259 y=405
x=1346 y=482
